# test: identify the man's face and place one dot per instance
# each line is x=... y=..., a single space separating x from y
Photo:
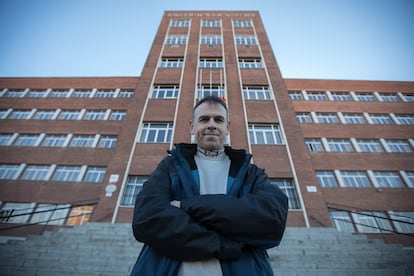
x=210 y=126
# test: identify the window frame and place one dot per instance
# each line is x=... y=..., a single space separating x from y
x=257 y=93
x=369 y=145
x=165 y=91
x=264 y=131
x=388 y=179
x=326 y=179
x=133 y=187
x=94 y=174
x=354 y=118
x=339 y=145
x=82 y=141
x=156 y=128
x=327 y=118
x=355 y=179
x=36 y=173
x=289 y=189
x=67 y=173
x=314 y=145
x=54 y=140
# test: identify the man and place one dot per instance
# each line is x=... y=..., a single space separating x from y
x=206 y=210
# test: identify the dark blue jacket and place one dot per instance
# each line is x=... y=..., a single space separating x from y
x=235 y=228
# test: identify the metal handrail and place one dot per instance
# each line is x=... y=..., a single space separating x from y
x=363 y=212
x=331 y=206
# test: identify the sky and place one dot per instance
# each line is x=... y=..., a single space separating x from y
x=311 y=39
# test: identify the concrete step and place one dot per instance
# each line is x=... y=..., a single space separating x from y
x=110 y=249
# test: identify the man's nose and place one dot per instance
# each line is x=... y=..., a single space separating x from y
x=211 y=124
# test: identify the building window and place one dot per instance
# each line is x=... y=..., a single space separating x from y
x=37 y=93
x=27 y=140
x=211 y=23
x=165 y=92
x=3 y=113
x=80 y=215
x=288 y=187
x=107 y=141
x=403 y=221
x=50 y=214
x=15 y=93
x=242 y=23
x=171 y=63
x=58 y=94
x=340 y=145
x=210 y=39
x=69 y=115
x=371 y=222
x=44 y=115
x=132 y=189
x=105 y=94
x=246 y=40
x=156 y=133
x=16 y=212
x=205 y=91
x=67 y=173
x=314 y=145
x=211 y=63
x=126 y=93
x=327 y=118
x=365 y=97
x=265 y=134
x=94 y=115
x=303 y=118
x=398 y=146
x=355 y=179
x=342 y=221
x=388 y=179
x=250 y=63
x=117 y=115
x=82 y=93
x=35 y=172
x=341 y=96
x=95 y=174
x=369 y=145
x=20 y=114
x=354 y=118
x=410 y=176
x=405 y=119
x=380 y=119
x=408 y=97
x=176 y=39
x=317 y=96
x=326 y=179
x=5 y=139
x=295 y=95
x=54 y=140
x=9 y=171
x=256 y=93
x=389 y=97
x=180 y=23
x=82 y=141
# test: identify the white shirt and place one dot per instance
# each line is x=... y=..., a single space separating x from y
x=213 y=170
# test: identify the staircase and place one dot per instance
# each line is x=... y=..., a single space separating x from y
x=110 y=250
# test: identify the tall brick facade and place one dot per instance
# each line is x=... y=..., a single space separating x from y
x=339 y=148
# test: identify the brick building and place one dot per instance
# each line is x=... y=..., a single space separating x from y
x=74 y=150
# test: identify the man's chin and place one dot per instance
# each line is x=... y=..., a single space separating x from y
x=211 y=146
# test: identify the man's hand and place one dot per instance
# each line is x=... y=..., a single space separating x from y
x=176 y=203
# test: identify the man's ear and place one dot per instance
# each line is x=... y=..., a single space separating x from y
x=228 y=127
x=191 y=127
